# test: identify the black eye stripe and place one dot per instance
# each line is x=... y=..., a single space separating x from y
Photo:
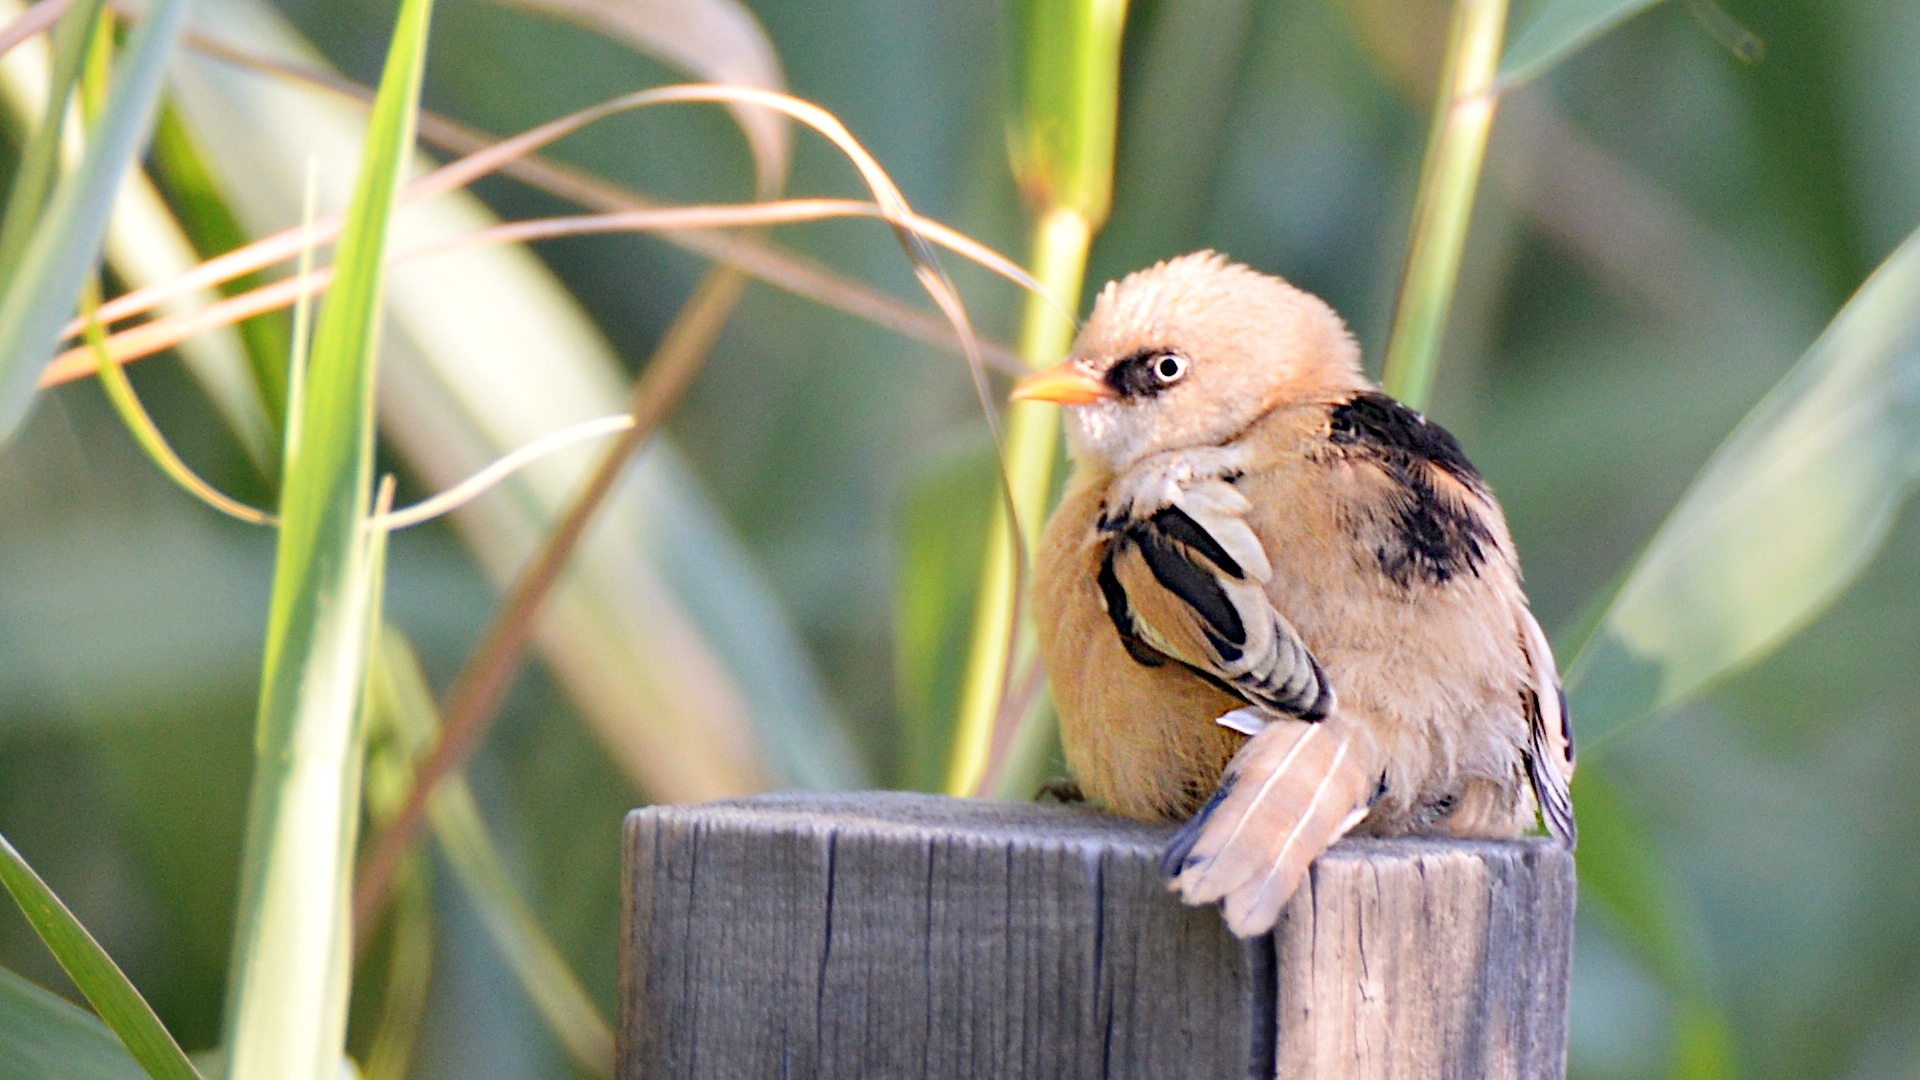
x=1140 y=376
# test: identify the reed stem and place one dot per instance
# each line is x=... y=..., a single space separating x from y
x=1463 y=115
x=1060 y=244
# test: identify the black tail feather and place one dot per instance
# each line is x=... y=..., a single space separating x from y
x=1173 y=861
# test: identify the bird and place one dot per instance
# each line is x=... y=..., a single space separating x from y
x=1275 y=602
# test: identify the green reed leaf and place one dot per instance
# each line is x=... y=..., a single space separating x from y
x=1061 y=139
x=66 y=240
x=45 y=1037
x=1779 y=522
x=94 y=972
x=286 y=1017
x=1553 y=30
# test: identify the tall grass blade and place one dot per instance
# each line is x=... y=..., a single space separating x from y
x=1463 y=113
x=1779 y=522
x=1066 y=102
x=1060 y=138
x=286 y=1017
x=44 y=1037
x=1622 y=876
x=93 y=971
x=149 y=338
x=1556 y=29
x=65 y=243
x=715 y=40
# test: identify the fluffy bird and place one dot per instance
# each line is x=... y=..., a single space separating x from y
x=1277 y=602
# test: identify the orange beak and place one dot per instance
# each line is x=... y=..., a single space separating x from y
x=1062 y=384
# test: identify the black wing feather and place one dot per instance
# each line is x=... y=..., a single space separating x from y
x=1433 y=534
x=1190 y=562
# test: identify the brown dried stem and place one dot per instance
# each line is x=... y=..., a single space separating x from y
x=490 y=671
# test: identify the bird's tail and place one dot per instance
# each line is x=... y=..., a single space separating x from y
x=1289 y=793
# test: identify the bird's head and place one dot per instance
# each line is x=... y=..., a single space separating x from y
x=1189 y=352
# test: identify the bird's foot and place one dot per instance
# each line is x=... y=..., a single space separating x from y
x=1061 y=789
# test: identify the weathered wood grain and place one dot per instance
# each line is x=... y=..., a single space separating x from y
x=890 y=935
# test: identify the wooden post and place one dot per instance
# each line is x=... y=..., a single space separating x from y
x=893 y=935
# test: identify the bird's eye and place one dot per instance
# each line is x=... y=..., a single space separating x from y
x=1170 y=367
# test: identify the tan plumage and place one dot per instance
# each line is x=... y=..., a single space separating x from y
x=1252 y=526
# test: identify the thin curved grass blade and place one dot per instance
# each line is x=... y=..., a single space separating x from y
x=45 y=1037
x=140 y=424
x=916 y=233
x=286 y=1017
x=66 y=242
x=714 y=40
x=772 y=263
x=1556 y=29
x=474 y=486
x=93 y=971
x=1779 y=522
x=149 y=338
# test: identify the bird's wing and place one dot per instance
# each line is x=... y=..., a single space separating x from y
x=1549 y=753
x=1184 y=575
x=1289 y=793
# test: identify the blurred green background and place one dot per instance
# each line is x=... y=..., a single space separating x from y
x=1663 y=230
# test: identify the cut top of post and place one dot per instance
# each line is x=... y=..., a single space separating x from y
x=886 y=934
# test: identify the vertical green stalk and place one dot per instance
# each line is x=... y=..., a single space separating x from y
x=291 y=966
x=1061 y=144
x=1059 y=263
x=1463 y=114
